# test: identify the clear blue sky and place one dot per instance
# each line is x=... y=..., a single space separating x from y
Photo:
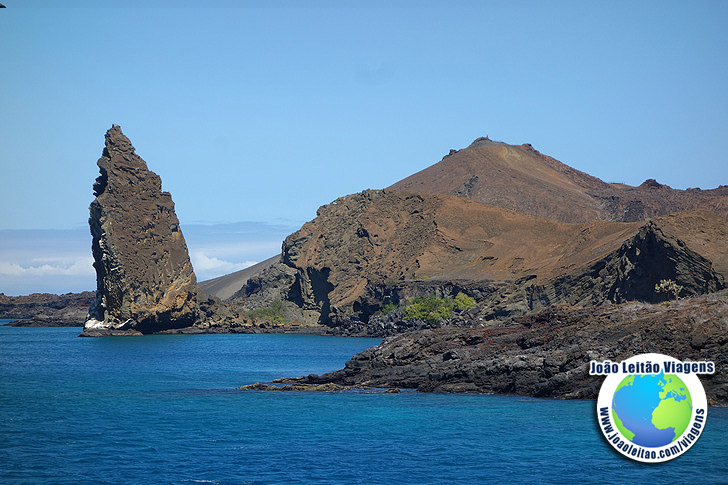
x=264 y=114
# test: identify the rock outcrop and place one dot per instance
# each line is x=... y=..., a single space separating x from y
x=145 y=281
x=631 y=272
x=545 y=354
x=376 y=246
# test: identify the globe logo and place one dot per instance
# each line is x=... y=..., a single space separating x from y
x=652 y=410
x=651 y=407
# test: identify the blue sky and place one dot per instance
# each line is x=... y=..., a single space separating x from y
x=59 y=260
x=257 y=116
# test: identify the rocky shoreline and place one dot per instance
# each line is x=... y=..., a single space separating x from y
x=215 y=330
x=545 y=354
x=328 y=387
x=46 y=309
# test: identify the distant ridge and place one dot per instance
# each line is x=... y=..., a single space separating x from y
x=520 y=178
x=225 y=286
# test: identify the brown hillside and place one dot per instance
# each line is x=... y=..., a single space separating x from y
x=704 y=232
x=519 y=178
x=378 y=235
x=341 y=263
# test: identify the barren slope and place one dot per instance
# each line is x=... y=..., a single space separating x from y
x=519 y=178
x=364 y=248
x=704 y=232
x=225 y=286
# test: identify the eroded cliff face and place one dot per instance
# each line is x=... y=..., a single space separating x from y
x=356 y=242
x=145 y=281
x=376 y=246
x=631 y=272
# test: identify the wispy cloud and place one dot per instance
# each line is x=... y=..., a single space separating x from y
x=207 y=267
x=59 y=261
x=80 y=266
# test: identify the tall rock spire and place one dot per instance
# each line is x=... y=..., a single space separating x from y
x=144 y=278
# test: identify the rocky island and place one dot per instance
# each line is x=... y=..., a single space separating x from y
x=505 y=225
x=561 y=268
x=498 y=269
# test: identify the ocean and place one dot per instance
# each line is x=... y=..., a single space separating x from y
x=164 y=409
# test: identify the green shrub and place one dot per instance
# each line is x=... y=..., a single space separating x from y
x=275 y=312
x=464 y=302
x=429 y=308
x=388 y=307
x=432 y=308
x=668 y=287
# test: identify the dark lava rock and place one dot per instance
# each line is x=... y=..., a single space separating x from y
x=545 y=354
x=47 y=309
x=328 y=387
x=631 y=272
x=145 y=281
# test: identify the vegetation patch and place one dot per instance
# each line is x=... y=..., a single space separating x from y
x=464 y=302
x=432 y=309
x=387 y=308
x=669 y=287
x=274 y=313
x=429 y=308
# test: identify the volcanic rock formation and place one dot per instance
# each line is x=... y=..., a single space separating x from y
x=47 y=309
x=520 y=178
x=145 y=282
x=551 y=295
x=374 y=246
x=545 y=354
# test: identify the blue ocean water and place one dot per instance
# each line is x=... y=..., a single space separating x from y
x=163 y=409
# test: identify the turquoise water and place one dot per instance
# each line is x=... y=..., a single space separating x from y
x=162 y=409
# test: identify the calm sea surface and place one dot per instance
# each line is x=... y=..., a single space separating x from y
x=163 y=409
